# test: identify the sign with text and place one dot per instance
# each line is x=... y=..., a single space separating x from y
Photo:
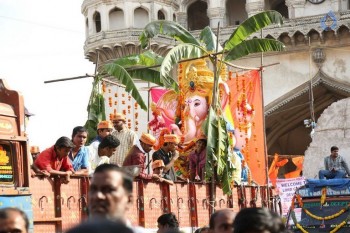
x=6 y=166
x=286 y=189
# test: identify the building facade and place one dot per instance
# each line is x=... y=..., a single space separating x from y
x=299 y=83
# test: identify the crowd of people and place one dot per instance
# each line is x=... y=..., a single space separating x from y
x=116 y=144
x=111 y=197
x=108 y=159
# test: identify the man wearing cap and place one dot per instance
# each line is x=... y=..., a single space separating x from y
x=127 y=139
x=137 y=157
x=158 y=168
x=104 y=128
x=55 y=160
x=168 y=154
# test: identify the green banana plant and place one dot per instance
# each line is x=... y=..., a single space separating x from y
x=96 y=109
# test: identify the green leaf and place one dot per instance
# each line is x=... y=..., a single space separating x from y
x=147 y=58
x=119 y=73
x=211 y=130
x=254 y=46
x=147 y=74
x=96 y=109
x=167 y=28
x=253 y=24
x=209 y=39
x=176 y=54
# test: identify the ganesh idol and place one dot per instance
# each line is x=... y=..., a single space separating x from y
x=185 y=112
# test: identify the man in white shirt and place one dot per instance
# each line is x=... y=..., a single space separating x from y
x=105 y=150
x=127 y=139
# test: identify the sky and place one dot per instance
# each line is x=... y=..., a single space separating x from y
x=43 y=40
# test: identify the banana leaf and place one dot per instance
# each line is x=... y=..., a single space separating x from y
x=167 y=28
x=208 y=38
x=253 y=24
x=121 y=75
x=147 y=58
x=253 y=46
x=96 y=109
x=211 y=130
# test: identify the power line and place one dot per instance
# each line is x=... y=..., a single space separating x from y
x=41 y=25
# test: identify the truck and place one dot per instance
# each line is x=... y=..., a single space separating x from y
x=321 y=206
x=56 y=207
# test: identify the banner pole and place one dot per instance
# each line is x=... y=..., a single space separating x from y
x=264 y=135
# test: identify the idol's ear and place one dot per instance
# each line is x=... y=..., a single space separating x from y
x=224 y=93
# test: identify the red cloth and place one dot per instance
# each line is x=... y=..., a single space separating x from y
x=47 y=160
x=137 y=157
x=197 y=162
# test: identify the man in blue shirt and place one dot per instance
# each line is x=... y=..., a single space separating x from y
x=79 y=154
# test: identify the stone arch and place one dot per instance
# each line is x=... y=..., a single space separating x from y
x=87 y=27
x=343 y=32
x=313 y=35
x=299 y=38
x=235 y=12
x=285 y=38
x=141 y=17
x=116 y=19
x=277 y=5
x=285 y=131
x=97 y=21
x=161 y=15
x=197 y=17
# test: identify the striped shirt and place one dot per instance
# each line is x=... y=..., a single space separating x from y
x=127 y=139
x=339 y=164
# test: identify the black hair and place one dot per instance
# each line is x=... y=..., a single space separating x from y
x=202 y=140
x=255 y=219
x=127 y=179
x=109 y=141
x=333 y=148
x=170 y=220
x=78 y=129
x=5 y=214
x=64 y=142
x=101 y=226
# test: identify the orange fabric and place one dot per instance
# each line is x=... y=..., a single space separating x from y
x=119 y=116
x=157 y=163
x=148 y=139
x=298 y=161
x=171 y=138
x=34 y=150
x=254 y=151
x=105 y=125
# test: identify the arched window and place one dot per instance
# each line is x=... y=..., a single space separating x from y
x=97 y=20
x=235 y=12
x=174 y=17
x=161 y=15
x=278 y=5
x=116 y=19
x=197 y=15
x=141 y=18
x=87 y=27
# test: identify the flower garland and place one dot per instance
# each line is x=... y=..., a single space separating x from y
x=300 y=227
